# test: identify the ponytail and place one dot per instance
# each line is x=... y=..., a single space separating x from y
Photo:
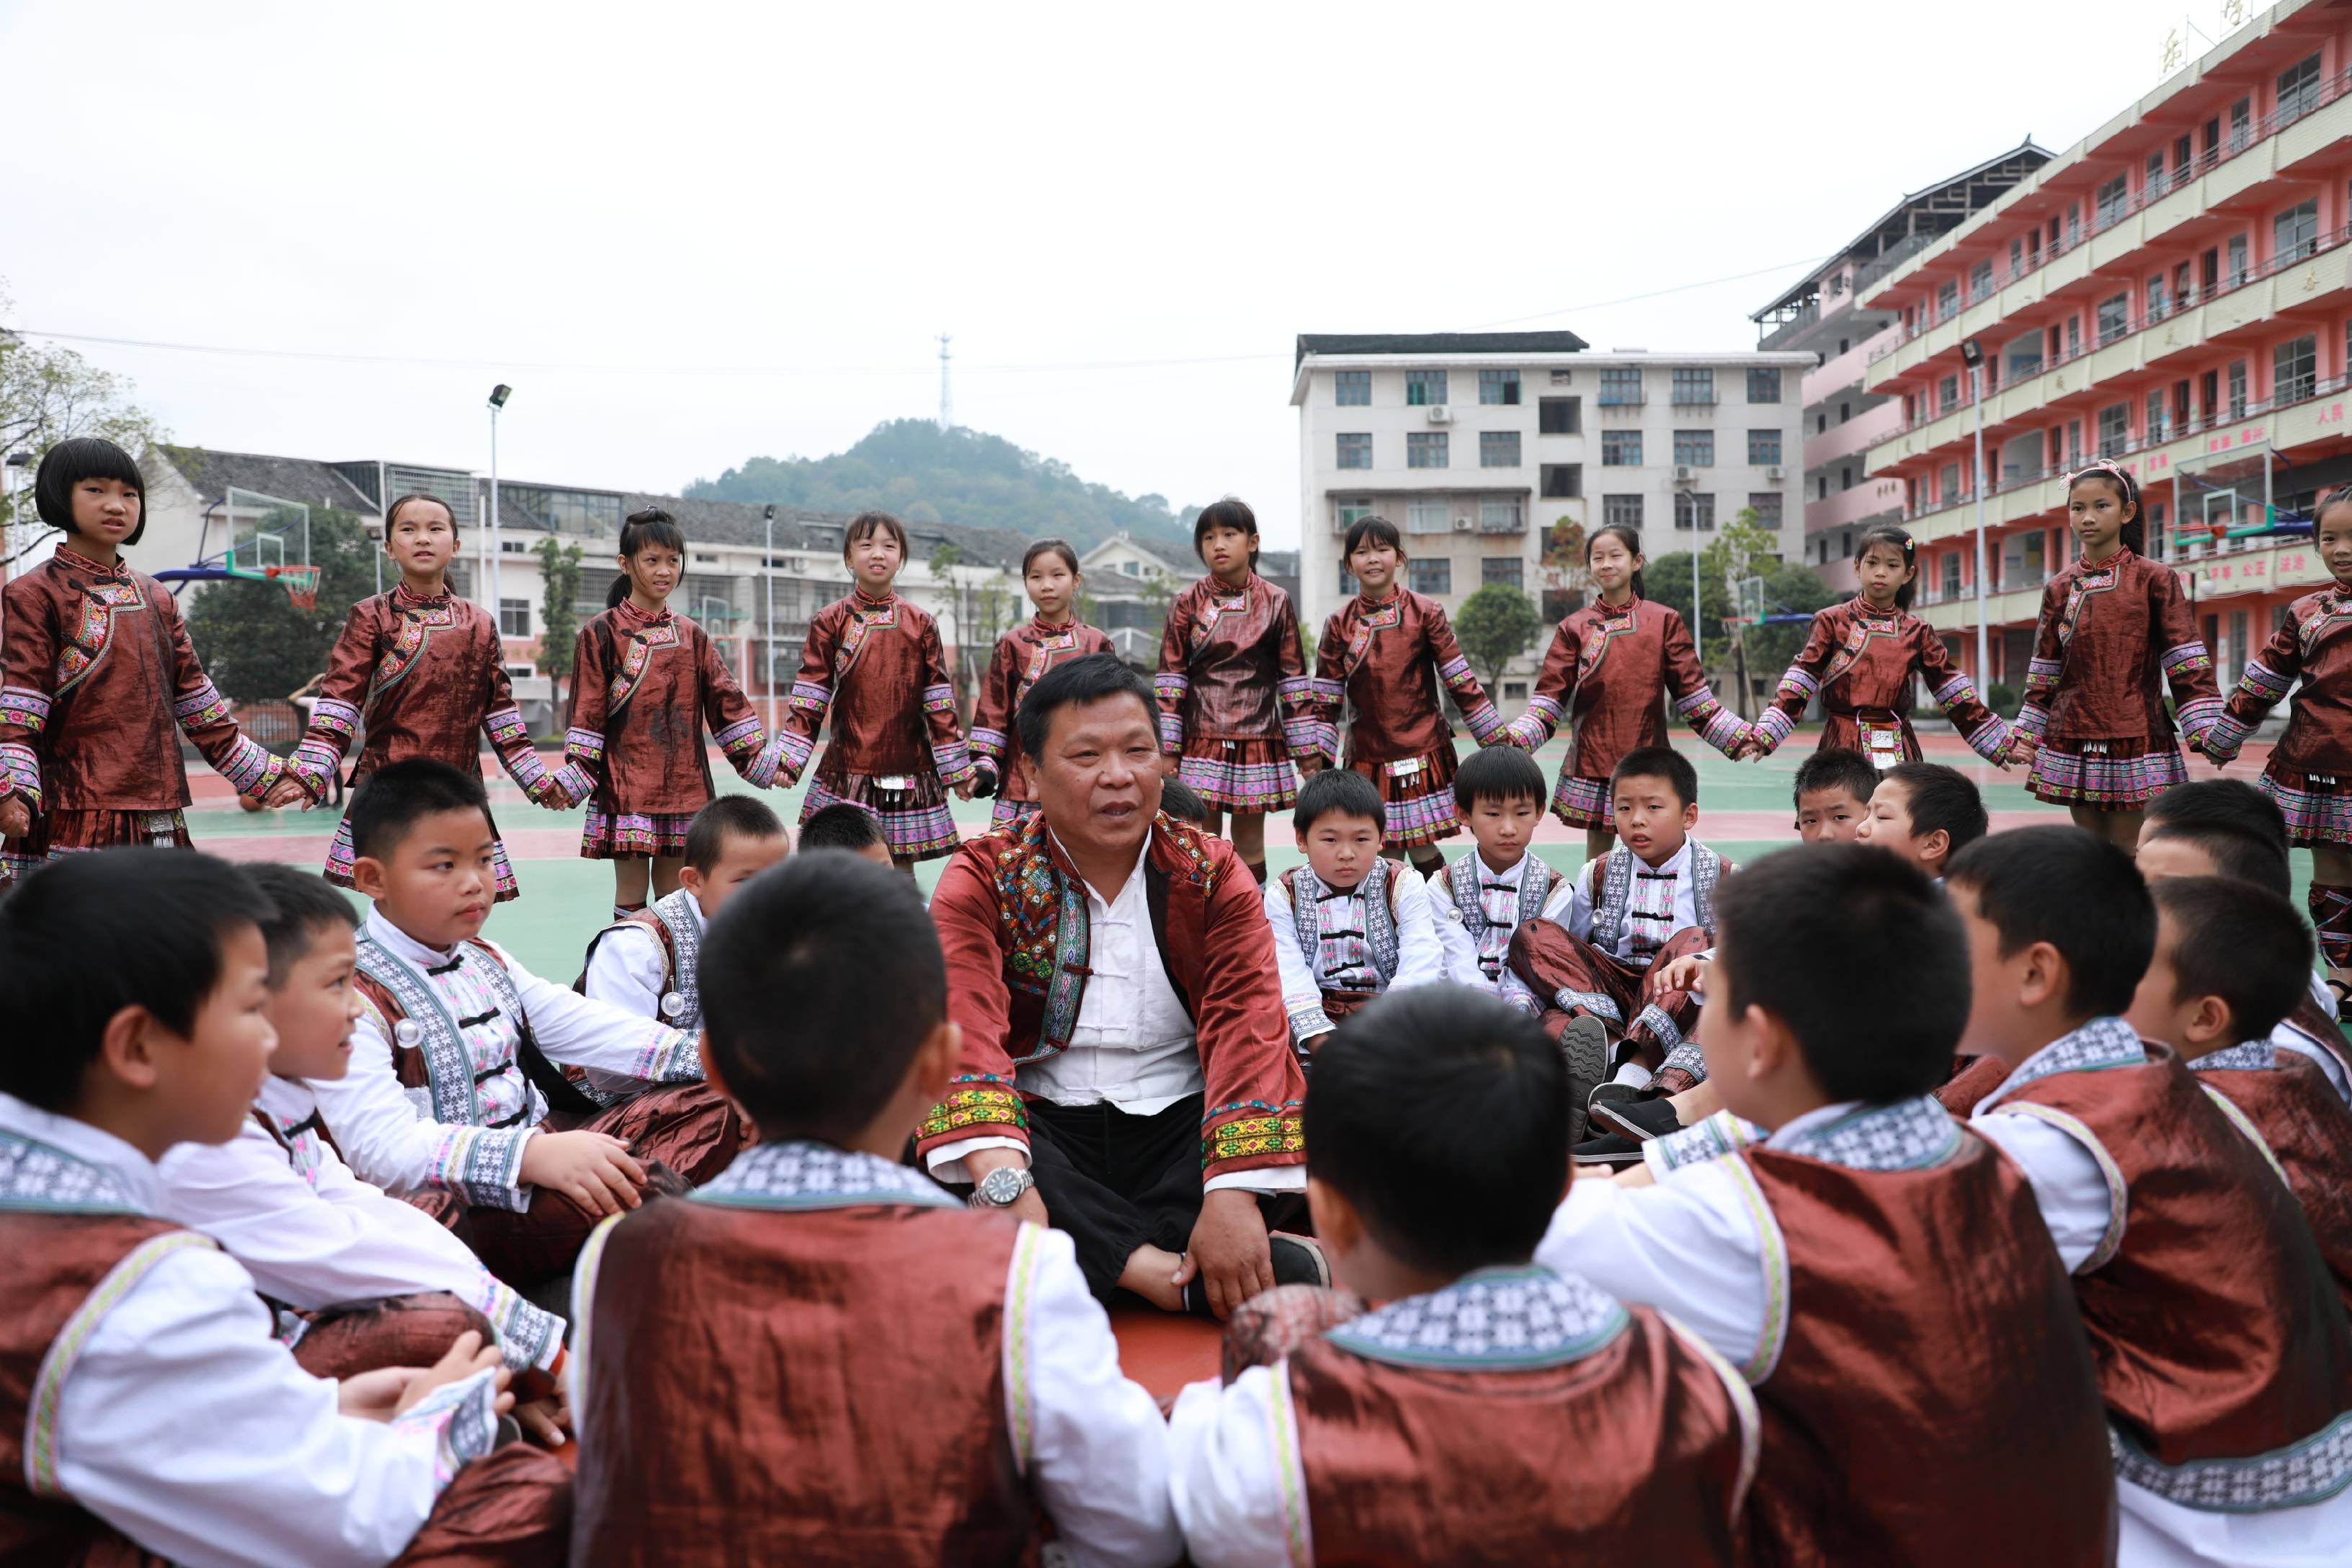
x=2135 y=532
x=617 y=591
x=1887 y=533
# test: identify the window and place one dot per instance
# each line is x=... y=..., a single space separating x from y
x=1508 y=570
x=1424 y=388
x=2242 y=123
x=2294 y=369
x=1696 y=448
x=1694 y=510
x=1355 y=449
x=1763 y=446
x=2114 y=429
x=1620 y=448
x=1951 y=574
x=1350 y=513
x=1980 y=280
x=1620 y=388
x=1947 y=300
x=1948 y=489
x=1948 y=395
x=1563 y=377
x=1429 y=517
x=2237 y=389
x=1763 y=386
x=2295 y=232
x=2016 y=257
x=514 y=547
x=1425 y=575
x=1348 y=587
x=2110 y=199
x=1563 y=482
x=1766 y=505
x=2298 y=91
x=2115 y=317
x=2073 y=336
x=2153 y=185
x=2237 y=270
x=1559 y=416
x=1353 y=389
x=2159 y=306
x=1692 y=388
x=1626 y=509
x=1499 y=386
x=2155 y=422
x=1500 y=516
x=1424 y=449
x=1498 y=448
x=514 y=618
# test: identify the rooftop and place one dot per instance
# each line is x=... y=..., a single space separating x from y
x=213 y=474
x=1437 y=343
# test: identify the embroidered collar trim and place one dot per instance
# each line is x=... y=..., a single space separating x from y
x=42 y=1178
x=1493 y=1319
x=1909 y=1135
x=2258 y=1056
x=802 y=1174
x=2097 y=1045
x=80 y=563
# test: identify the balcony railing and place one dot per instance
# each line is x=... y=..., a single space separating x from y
x=2304 y=251
x=2299 y=106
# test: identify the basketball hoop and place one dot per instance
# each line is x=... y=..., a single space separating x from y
x=300 y=582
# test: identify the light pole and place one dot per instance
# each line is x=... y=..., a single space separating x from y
x=1685 y=490
x=1972 y=355
x=499 y=396
x=768 y=631
x=17 y=463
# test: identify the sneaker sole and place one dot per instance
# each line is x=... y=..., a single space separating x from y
x=1606 y=1116
x=1585 y=1044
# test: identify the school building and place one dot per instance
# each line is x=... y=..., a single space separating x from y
x=2174 y=292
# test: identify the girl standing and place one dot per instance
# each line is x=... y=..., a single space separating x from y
x=876 y=663
x=99 y=673
x=2310 y=770
x=1606 y=675
x=1236 y=704
x=1049 y=571
x=422 y=671
x=645 y=683
x=1859 y=659
x=1382 y=654
x=2115 y=629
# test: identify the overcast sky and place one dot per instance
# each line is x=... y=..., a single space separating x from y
x=690 y=234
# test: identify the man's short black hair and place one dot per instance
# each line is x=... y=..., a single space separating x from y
x=301 y=905
x=1441 y=1113
x=395 y=798
x=1339 y=790
x=1182 y=802
x=1853 y=949
x=2247 y=857
x=848 y=945
x=1499 y=773
x=85 y=936
x=1941 y=797
x=1659 y=763
x=2227 y=803
x=1081 y=681
x=2240 y=943
x=67 y=464
x=741 y=816
x=1834 y=767
x=841 y=826
x=2074 y=891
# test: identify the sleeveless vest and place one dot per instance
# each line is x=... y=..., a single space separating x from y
x=1613 y=898
x=2307 y=1131
x=2214 y=1397
x=1927 y=1389
x=679 y=934
x=1378 y=891
x=76 y=1242
x=430 y=1058
x=1537 y=880
x=1517 y=1416
x=839 y=1397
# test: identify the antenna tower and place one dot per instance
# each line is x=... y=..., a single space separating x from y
x=947 y=402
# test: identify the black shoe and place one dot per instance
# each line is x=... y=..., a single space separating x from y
x=1640 y=1120
x=1296 y=1260
x=1607 y=1150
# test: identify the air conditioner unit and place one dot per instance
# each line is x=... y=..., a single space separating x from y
x=1776 y=473
x=1439 y=414
x=1465 y=524
x=1684 y=474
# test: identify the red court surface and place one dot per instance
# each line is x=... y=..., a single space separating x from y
x=1164 y=1352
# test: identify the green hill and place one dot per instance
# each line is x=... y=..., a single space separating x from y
x=925 y=474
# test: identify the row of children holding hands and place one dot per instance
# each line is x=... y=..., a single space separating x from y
x=1830 y=1321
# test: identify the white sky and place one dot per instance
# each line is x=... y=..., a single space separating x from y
x=761 y=213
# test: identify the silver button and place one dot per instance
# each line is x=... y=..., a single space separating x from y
x=672 y=1004
x=407 y=1034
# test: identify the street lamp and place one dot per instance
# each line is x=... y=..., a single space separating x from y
x=768 y=632
x=499 y=396
x=18 y=462
x=1972 y=355
x=1686 y=490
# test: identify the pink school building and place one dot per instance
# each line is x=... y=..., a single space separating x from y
x=2174 y=292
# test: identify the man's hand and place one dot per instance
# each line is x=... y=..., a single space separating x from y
x=1028 y=1205
x=1684 y=973
x=1228 y=1250
x=593 y=1169
x=15 y=817
x=468 y=1356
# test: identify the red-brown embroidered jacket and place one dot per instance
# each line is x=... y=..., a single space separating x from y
x=1607 y=673
x=1023 y=655
x=1231 y=669
x=2310 y=646
x=1859 y=662
x=1012 y=918
x=2111 y=638
x=1385 y=660
x=877 y=666
x=642 y=689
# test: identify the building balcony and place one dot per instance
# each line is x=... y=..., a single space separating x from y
x=1865 y=429
x=1841 y=371
x=1865 y=502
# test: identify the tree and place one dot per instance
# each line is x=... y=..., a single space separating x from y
x=1742 y=548
x=1495 y=625
x=255 y=644
x=51 y=394
x=1563 y=556
x=559 y=610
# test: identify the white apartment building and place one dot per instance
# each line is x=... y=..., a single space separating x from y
x=1476 y=443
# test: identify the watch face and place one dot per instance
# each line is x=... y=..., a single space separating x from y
x=1001 y=1186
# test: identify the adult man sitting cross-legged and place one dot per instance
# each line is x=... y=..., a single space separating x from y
x=1127 y=1073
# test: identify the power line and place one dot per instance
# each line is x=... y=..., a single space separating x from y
x=1652 y=294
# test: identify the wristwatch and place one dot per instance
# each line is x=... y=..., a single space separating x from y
x=1003 y=1187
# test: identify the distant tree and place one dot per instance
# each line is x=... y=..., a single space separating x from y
x=559 y=611
x=255 y=644
x=48 y=394
x=1788 y=589
x=1495 y=625
x=1563 y=556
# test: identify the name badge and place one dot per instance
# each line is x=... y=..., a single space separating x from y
x=1403 y=769
x=897 y=784
x=1882 y=744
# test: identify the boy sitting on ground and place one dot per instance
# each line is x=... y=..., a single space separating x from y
x=1349 y=925
x=1925 y=811
x=376 y=1280
x=1832 y=793
x=1436 y=1136
x=142 y=1394
x=872 y=1374
x=646 y=964
x=1481 y=898
x=844 y=826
